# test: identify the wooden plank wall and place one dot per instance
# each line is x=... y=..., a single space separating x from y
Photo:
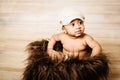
x=23 y=21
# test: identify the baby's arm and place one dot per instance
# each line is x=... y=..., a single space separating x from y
x=96 y=48
x=52 y=53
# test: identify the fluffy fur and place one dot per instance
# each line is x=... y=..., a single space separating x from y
x=41 y=67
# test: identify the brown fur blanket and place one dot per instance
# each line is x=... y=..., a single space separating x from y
x=41 y=67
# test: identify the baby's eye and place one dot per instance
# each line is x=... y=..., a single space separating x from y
x=81 y=22
x=73 y=24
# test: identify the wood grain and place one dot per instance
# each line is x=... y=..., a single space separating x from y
x=24 y=21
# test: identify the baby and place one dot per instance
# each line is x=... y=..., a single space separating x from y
x=73 y=39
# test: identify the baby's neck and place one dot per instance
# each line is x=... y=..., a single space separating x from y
x=76 y=37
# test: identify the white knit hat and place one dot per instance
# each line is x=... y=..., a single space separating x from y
x=67 y=15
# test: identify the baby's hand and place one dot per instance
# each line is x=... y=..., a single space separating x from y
x=56 y=55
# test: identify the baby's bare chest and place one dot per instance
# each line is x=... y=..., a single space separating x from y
x=74 y=45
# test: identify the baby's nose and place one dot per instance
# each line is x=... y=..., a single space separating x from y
x=78 y=26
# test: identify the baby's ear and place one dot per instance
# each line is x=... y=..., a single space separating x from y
x=64 y=31
x=63 y=27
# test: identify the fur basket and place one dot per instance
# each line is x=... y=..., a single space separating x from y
x=41 y=67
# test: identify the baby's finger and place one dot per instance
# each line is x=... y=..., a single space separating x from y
x=53 y=57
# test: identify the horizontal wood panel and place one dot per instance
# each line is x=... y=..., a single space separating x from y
x=9 y=75
x=56 y=1
x=100 y=7
x=34 y=19
x=37 y=8
x=22 y=32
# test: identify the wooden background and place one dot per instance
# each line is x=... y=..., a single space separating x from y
x=23 y=21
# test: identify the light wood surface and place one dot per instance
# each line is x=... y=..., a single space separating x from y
x=24 y=21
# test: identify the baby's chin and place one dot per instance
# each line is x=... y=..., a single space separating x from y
x=79 y=35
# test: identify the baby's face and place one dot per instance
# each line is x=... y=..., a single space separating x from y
x=75 y=28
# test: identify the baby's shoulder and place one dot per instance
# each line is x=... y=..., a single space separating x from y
x=58 y=36
x=87 y=36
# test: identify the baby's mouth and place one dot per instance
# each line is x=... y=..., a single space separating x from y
x=78 y=31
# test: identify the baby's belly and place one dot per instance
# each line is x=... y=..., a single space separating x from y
x=75 y=54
